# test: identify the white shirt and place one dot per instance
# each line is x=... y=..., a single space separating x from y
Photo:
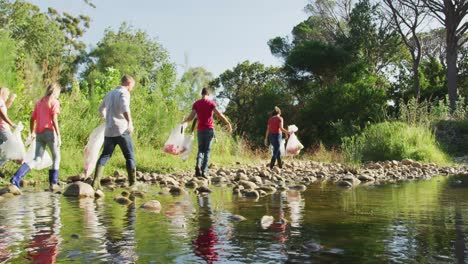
x=112 y=108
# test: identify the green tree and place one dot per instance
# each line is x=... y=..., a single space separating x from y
x=252 y=90
x=133 y=52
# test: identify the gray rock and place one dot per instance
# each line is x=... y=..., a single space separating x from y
x=99 y=194
x=10 y=190
x=298 y=187
x=203 y=189
x=252 y=194
x=237 y=218
x=122 y=200
x=175 y=190
x=153 y=206
x=248 y=185
x=366 y=177
x=79 y=189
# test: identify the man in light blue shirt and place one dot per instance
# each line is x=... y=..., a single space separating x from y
x=115 y=109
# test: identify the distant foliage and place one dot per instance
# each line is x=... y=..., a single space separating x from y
x=393 y=141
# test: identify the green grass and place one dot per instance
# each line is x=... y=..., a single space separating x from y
x=394 y=141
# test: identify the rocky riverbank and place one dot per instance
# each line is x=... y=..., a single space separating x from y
x=258 y=180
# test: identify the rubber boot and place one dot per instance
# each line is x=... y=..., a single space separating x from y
x=131 y=176
x=53 y=180
x=280 y=163
x=20 y=173
x=97 y=177
x=197 y=172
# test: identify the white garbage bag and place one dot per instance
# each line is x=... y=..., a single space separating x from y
x=40 y=163
x=187 y=147
x=175 y=143
x=294 y=146
x=13 y=147
x=92 y=149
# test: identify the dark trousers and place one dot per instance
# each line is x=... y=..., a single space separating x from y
x=126 y=145
x=205 y=138
x=275 y=140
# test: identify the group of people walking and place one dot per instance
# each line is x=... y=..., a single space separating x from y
x=115 y=110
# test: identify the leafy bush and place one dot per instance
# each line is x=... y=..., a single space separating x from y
x=393 y=141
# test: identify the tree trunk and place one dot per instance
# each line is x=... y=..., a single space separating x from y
x=417 y=90
x=452 y=71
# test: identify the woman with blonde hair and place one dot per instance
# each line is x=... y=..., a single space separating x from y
x=44 y=127
x=5 y=122
x=274 y=133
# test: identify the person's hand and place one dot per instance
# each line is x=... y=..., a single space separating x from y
x=14 y=126
x=266 y=142
x=59 y=141
x=130 y=129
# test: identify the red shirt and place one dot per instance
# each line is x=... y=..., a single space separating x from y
x=204 y=109
x=44 y=112
x=274 y=124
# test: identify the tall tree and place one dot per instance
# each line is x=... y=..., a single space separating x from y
x=451 y=14
x=133 y=52
x=408 y=16
x=252 y=90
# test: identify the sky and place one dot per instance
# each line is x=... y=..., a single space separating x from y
x=214 y=34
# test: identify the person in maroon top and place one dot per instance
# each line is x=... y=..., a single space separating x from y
x=274 y=133
x=204 y=109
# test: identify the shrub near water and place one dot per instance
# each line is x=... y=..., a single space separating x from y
x=393 y=141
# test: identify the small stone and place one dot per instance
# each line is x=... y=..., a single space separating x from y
x=10 y=189
x=299 y=187
x=153 y=205
x=122 y=200
x=237 y=218
x=99 y=194
x=79 y=189
x=266 y=221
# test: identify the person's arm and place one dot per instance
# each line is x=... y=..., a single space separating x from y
x=56 y=127
x=4 y=116
x=266 y=136
x=10 y=100
x=125 y=97
x=102 y=109
x=190 y=117
x=284 y=130
x=128 y=117
x=223 y=118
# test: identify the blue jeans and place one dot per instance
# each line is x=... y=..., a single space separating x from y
x=3 y=137
x=48 y=138
x=126 y=145
x=275 y=140
x=205 y=138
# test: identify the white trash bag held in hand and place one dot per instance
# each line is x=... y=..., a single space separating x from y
x=188 y=146
x=41 y=163
x=13 y=147
x=175 y=143
x=294 y=146
x=92 y=148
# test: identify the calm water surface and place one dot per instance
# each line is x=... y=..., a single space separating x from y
x=415 y=222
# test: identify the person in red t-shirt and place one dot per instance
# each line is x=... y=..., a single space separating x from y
x=45 y=128
x=204 y=109
x=274 y=133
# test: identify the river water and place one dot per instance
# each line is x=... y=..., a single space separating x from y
x=412 y=222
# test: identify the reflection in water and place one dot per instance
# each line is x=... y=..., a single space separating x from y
x=204 y=244
x=43 y=247
x=421 y=222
